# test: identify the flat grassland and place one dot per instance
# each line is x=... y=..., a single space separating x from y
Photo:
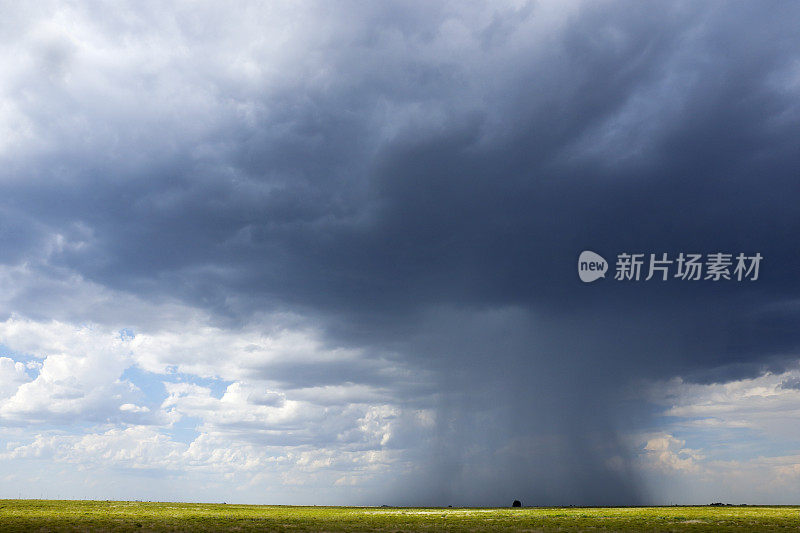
x=111 y=516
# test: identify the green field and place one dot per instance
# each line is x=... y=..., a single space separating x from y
x=48 y=515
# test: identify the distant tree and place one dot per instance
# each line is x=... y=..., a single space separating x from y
x=516 y=503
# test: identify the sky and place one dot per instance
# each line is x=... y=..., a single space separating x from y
x=327 y=253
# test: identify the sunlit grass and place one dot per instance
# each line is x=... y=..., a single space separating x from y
x=48 y=515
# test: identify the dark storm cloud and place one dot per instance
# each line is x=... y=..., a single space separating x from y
x=429 y=201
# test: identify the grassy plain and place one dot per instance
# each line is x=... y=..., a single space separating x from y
x=112 y=516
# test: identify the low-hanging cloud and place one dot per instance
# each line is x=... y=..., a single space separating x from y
x=354 y=229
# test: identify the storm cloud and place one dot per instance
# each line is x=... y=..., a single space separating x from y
x=373 y=212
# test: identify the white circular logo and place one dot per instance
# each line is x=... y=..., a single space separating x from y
x=591 y=266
